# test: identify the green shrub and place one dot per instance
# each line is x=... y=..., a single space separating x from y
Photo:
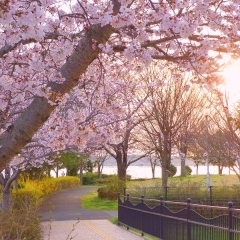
x=105 y=193
x=103 y=175
x=112 y=195
x=89 y=178
x=114 y=186
x=102 y=192
x=173 y=170
x=103 y=181
x=188 y=170
x=128 y=177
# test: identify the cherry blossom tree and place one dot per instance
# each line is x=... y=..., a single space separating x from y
x=49 y=50
x=114 y=129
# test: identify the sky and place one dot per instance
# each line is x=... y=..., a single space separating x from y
x=231 y=76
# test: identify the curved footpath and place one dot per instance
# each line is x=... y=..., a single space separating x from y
x=63 y=218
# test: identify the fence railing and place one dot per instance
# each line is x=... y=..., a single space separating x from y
x=213 y=195
x=156 y=218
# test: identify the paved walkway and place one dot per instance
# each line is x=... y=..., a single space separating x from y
x=86 y=230
x=63 y=218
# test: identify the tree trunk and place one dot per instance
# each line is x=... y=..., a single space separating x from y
x=183 y=158
x=166 y=160
x=220 y=169
x=99 y=169
x=196 y=169
x=49 y=172
x=6 y=200
x=153 y=171
x=122 y=172
x=183 y=164
x=164 y=176
x=81 y=173
x=6 y=182
x=165 y=171
x=121 y=159
x=57 y=170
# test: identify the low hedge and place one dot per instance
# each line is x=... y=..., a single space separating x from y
x=111 y=190
x=22 y=222
x=89 y=178
x=105 y=193
x=92 y=178
x=33 y=191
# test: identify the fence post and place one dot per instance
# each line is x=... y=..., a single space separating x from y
x=230 y=220
x=128 y=198
x=142 y=201
x=188 y=218
x=211 y=199
x=124 y=194
x=166 y=192
x=161 y=218
x=118 y=208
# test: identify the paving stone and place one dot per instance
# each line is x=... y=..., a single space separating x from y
x=85 y=230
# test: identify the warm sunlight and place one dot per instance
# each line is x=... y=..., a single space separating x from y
x=231 y=75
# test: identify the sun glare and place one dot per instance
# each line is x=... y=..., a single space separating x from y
x=231 y=75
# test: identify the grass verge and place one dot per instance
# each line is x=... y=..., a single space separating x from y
x=216 y=180
x=91 y=201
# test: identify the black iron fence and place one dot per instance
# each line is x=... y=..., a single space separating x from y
x=213 y=195
x=156 y=218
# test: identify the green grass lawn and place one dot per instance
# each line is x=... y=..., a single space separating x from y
x=225 y=188
x=216 y=180
x=91 y=201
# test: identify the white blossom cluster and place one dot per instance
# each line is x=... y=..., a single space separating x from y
x=38 y=39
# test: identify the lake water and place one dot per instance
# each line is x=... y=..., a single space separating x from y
x=145 y=171
x=142 y=169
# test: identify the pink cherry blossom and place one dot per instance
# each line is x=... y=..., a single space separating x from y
x=57 y=85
